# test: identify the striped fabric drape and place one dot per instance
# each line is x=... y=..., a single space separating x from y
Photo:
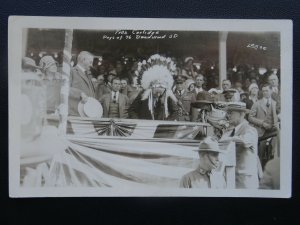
x=144 y=154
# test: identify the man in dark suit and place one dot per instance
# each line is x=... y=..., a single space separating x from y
x=115 y=104
x=81 y=86
x=263 y=116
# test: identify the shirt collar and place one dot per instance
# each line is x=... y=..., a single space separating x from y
x=117 y=94
x=203 y=171
x=267 y=99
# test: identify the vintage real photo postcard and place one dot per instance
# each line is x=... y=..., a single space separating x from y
x=149 y=107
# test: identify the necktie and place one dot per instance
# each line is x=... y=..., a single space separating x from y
x=115 y=97
x=232 y=133
x=268 y=103
x=180 y=93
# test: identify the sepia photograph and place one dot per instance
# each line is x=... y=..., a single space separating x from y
x=149 y=107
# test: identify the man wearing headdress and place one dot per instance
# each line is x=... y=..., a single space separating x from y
x=154 y=103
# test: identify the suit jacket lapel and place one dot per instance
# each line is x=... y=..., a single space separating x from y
x=241 y=129
x=107 y=101
x=86 y=79
x=263 y=105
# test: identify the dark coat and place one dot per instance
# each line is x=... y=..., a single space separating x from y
x=139 y=110
x=79 y=82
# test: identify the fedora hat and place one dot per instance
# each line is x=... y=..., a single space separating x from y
x=237 y=106
x=209 y=145
x=202 y=98
x=91 y=108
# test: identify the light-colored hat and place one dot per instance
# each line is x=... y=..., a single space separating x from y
x=209 y=145
x=29 y=63
x=92 y=108
x=214 y=90
x=253 y=85
x=46 y=62
x=217 y=118
x=188 y=82
x=188 y=58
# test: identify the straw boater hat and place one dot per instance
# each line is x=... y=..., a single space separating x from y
x=92 y=108
x=209 y=145
x=203 y=98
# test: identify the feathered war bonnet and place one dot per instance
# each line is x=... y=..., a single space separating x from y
x=157 y=71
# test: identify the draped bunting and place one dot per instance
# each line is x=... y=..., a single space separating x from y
x=119 y=153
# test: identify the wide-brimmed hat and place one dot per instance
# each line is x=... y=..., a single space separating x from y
x=237 y=106
x=230 y=90
x=202 y=99
x=91 y=108
x=214 y=90
x=209 y=145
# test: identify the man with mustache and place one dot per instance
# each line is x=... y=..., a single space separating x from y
x=202 y=177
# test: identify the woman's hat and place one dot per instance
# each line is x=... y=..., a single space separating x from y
x=217 y=118
x=188 y=58
x=29 y=63
x=188 y=82
x=91 y=108
x=253 y=85
x=46 y=62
